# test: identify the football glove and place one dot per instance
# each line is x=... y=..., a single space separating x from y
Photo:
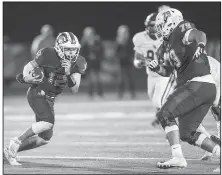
x=200 y=50
x=67 y=65
x=154 y=66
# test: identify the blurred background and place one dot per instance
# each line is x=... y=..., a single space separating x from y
x=30 y=25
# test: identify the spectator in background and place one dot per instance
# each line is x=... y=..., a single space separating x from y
x=45 y=39
x=163 y=7
x=92 y=50
x=124 y=54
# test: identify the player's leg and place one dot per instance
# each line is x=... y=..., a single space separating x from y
x=121 y=84
x=151 y=82
x=130 y=79
x=215 y=110
x=43 y=109
x=188 y=125
x=183 y=100
x=36 y=141
x=161 y=88
x=99 y=85
x=91 y=85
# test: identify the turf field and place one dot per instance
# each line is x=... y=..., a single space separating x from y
x=107 y=136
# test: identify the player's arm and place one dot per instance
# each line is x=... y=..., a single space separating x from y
x=165 y=69
x=27 y=75
x=197 y=36
x=74 y=82
x=139 y=60
x=74 y=78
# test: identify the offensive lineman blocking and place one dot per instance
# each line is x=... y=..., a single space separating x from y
x=195 y=91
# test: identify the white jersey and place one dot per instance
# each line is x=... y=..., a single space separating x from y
x=215 y=72
x=214 y=69
x=146 y=46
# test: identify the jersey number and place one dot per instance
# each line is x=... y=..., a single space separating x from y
x=150 y=54
x=185 y=26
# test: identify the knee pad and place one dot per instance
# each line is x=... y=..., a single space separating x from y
x=46 y=135
x=165 y=118
x=192 y=138
x=41 y=126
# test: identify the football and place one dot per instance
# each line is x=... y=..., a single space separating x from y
x=37 y=71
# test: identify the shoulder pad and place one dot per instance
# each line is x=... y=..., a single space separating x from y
x=138 y=38
x=183 y=27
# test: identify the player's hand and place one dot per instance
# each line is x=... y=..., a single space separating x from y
x=200 y=50
x=154 y=65
x=67 y=65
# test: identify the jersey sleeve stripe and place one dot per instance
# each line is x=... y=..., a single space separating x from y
x=34 y=63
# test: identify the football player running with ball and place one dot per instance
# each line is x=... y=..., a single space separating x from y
x=195 y=91
x=62 y=66
x=146 y=45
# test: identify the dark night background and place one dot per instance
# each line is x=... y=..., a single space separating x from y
x=22 y=20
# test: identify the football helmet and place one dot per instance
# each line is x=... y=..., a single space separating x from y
x=150 y=24
x=166 y=21
x=67 y=46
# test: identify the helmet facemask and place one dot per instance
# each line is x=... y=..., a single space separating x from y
x=66 y=47
x=70 y=53
x=151 y=29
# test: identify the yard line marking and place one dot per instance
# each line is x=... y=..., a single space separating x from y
x=111 y=133
x=110 y=143
x=85 y=116
x=99 y=133
x=98 y=158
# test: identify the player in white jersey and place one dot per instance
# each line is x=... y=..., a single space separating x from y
x=145 y=47
x=215 y=109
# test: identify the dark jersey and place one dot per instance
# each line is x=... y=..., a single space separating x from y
x=55 y=79
x=181 y=55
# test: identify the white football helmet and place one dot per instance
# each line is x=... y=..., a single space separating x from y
x=166 y=21
x=67 y=46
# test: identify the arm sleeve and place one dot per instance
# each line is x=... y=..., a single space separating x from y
x=136 y=45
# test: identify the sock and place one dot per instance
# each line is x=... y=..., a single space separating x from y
x=203 y=130
x=216 y=151
x=218 y=129
x=215 y=139
x=176 y=151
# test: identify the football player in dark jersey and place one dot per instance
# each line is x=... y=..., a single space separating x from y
x=195 y=91
x=62 y=66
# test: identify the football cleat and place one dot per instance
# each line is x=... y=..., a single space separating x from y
x=207 y=156
x=174 y=162
x=8 y=156
x=14 y=146
x=217 y=170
